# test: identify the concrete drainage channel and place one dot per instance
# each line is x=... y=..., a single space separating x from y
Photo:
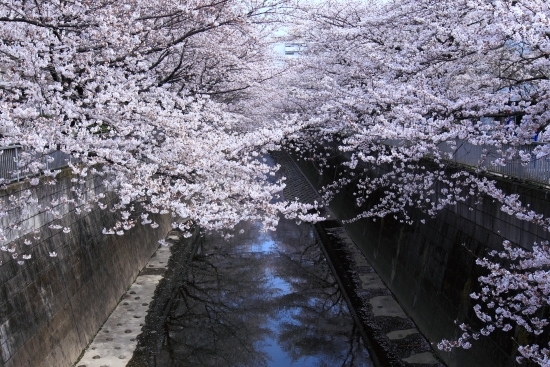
x=132 y=334
x=116 y=341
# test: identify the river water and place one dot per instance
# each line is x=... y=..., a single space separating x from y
x=259 y=299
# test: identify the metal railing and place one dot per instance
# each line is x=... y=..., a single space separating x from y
x=465 y=153
x=11 y=169
x=485 y=156
x=536 y=170
x=9 y=159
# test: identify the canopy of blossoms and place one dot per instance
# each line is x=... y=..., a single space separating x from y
x=139 y=93
x=175 y=103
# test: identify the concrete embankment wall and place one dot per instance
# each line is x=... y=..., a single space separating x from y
x=51 y=307
x=430 y=268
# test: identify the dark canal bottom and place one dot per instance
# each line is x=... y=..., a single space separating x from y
x=257 y=299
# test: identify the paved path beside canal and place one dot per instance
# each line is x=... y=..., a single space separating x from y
x=116 y=341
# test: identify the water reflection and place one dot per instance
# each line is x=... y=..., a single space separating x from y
x=260 y=300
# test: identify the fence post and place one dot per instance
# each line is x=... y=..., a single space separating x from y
x=17 y=163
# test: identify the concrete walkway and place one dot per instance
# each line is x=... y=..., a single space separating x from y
x=116 y=341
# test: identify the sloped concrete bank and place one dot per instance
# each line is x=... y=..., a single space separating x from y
x=116 y=341
x=51 y=307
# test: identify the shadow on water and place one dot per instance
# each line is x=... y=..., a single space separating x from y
x=259 y=299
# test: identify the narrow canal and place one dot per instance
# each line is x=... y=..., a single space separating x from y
x=257 y=299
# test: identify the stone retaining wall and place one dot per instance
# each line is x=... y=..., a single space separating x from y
x=51 y=307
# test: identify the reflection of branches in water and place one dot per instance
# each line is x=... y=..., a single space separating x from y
x=218 y=313
x=319 y=322
x=226 y=307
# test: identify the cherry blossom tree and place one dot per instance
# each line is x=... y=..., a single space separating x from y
x=403 y=84
x=174 y=104
x=138 y=92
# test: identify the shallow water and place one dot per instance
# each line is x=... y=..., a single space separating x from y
x=260 y=299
